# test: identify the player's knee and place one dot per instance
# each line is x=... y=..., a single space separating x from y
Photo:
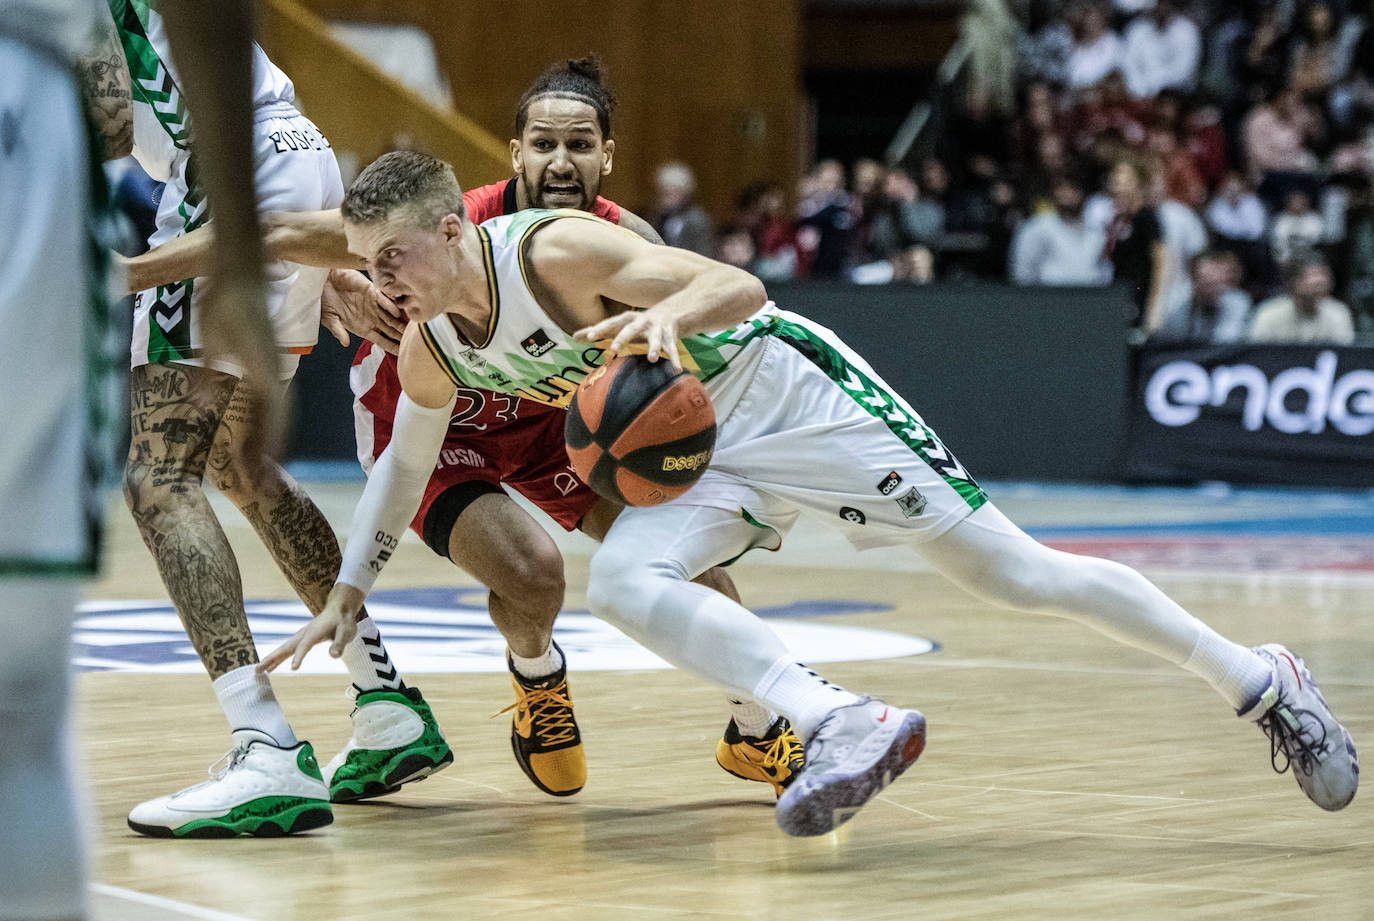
x=614 y=580
x=533 y=582
x=621 y=587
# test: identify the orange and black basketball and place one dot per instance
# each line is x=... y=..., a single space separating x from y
x=640 y=432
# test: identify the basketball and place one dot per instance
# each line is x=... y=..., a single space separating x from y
x=640 y=432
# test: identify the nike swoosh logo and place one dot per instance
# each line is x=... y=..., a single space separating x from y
x=1294 y=666
x=883 y=718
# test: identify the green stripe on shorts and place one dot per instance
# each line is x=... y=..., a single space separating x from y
x=881 y=405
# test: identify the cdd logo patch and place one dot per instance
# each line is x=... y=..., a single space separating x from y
x=853 y=515
x=889 y=483
x=537 y=343
x=912 y=503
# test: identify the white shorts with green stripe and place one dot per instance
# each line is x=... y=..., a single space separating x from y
x=809 y=426
x=295 y=170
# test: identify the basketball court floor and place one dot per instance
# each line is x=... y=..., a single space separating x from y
x=1065 y=777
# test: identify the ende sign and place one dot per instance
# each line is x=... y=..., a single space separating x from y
x=1253 y=414
x=1177 y=391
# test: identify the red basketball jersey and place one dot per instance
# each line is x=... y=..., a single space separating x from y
x=476 y=411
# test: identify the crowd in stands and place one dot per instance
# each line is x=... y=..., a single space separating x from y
x=1215 y=157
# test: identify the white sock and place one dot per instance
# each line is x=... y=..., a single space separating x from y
x=248 y=702
x=369 y=664
x=539 y=667
x=1238 y=674
x=792 y=688
x=751 y=719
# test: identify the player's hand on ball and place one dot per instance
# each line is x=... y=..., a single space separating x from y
x=350 y=303
x=656 y=330
x=338 y=622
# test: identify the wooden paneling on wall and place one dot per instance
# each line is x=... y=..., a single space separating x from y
x=715 y=83
x=331 y=80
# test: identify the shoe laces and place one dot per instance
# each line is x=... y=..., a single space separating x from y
x=783 y=750
x=228 y=762
x=549 y=710
x=1293 y=738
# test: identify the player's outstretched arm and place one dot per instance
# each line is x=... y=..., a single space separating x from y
x=305 y=237
x=679 y=292
x=388 y=503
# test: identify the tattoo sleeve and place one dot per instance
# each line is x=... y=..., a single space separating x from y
x=106 y=85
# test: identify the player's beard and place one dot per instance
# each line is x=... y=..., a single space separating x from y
x=539 y=199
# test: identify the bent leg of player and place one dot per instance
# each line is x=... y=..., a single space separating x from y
x=269 y=783
x=483 y=531
x=757 y=744
x=989 y=556
x=639 y=582
x=395 y=739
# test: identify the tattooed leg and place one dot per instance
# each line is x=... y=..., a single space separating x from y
x=175 y=412
x=291 y=526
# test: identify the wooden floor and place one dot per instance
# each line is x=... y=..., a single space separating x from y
x=1065 y=776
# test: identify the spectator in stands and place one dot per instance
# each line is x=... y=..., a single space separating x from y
x=1278 y=137
x=1297 y=231
x=762 y=209
x=1236 y=214
x=902 y=218
x=680 y=221
x=1096 y=48
x=1237 y=220
x=1185 y=236
x=1161 y=50
x=1135 y=240
x=1261 y=61
x=1176 y=168
x=824 y=221
x=1307 y=313
x=1040 y=117
x=1317 y=62
x=865 y=201
x=1058 y=247
x=915 y=264
x=1218 y=312
x=1043 y=50
x=1204 y=140
x=735 y=246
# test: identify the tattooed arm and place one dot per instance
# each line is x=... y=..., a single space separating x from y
x=105 y=82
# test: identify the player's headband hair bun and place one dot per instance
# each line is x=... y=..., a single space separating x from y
x=579 y=79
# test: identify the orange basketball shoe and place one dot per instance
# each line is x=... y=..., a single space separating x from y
x=544 y=734
x=774 y=758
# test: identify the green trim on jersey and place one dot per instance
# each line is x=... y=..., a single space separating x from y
x=879 y=403
x=152 y=80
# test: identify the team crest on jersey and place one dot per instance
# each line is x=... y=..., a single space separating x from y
x=912 y=503
x=537 y=343
x=889 y=483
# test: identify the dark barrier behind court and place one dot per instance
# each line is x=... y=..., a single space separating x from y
x=1298 y=415
x=1020 y=383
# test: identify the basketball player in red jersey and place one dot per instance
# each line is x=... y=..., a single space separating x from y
x=560 y=154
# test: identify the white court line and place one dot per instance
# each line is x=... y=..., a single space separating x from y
x=156 y=901
x=935 y=661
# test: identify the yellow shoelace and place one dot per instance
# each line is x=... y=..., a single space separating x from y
x=781 y=750
x=548 y=710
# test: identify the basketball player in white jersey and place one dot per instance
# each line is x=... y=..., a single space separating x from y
x=52 y=288
x=805 y=424
x=189 y=417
